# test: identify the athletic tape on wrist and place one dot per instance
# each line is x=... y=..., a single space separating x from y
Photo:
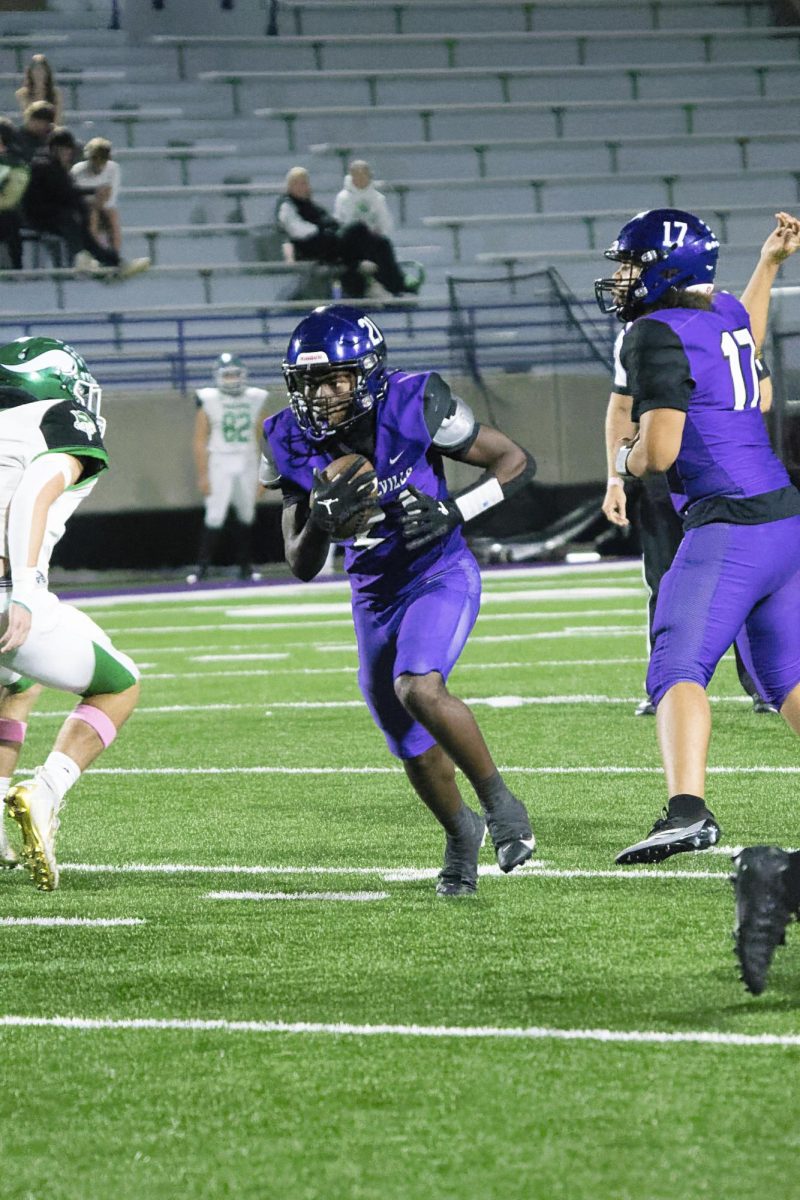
x=477 y=499
x=103 y=726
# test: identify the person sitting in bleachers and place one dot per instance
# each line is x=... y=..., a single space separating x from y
x=98 y=177
x=14 y=176
x=39 y=84
x=54 y=204
x=38 y=122
x=360 y=200
x=367 y=259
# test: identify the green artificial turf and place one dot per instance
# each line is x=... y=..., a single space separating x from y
x=140 y=1114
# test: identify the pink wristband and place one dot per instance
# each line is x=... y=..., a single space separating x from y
x=614 y=479
x=103 y=726
x=12 y=731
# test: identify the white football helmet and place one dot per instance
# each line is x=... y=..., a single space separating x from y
x=230 y=374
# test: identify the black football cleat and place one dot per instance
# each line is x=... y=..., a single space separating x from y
x=459 y=873
x=645 y=708
x=672 y=835
x=762 y=911
x=510 y=830
x=763 y=706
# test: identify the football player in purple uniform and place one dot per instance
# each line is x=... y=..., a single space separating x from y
x=415 y=585
x=690 y=356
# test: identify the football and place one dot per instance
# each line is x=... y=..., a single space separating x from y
x=359 y=523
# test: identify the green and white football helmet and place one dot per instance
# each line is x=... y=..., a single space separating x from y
x=230 y=374
x=49 y=370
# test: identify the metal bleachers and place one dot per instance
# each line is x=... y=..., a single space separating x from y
x=309 y=17
x=536 y=119
x=496 y=129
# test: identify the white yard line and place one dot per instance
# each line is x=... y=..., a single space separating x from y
x=347 y=622
x=344 y=896
x=390 y=874
x=58 y=922
x=701 y=1037
x=538 y=867
x=121 y=631
x=326 y=587
x=494 y=702
x=334 y=608
x=609 y=769
x=258 y=656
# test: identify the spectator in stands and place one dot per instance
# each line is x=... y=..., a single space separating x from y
x=316 y=235
x=39 y=84
x=54 y=204
x=360 y=200
x=14 y=176
x=38 y=122
x=98 y=177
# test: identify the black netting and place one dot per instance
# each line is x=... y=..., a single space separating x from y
x=524 y=322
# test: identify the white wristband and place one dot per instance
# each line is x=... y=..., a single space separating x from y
x=476 y=500
x=615 y=481
x=623 y=454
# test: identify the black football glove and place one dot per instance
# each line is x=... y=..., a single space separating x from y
x=336 y=501
x=426 y=519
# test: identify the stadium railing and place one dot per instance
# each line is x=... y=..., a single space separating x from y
x=175 y=346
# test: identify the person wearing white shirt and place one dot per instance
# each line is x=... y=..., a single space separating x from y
x=98 y=176
x=360 y=200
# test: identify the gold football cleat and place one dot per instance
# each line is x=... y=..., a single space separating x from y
x=36 y=816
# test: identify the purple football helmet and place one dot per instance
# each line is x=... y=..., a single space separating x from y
x=329 y=342
x=671 y=248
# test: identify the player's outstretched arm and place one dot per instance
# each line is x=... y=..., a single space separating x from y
x=783 y=241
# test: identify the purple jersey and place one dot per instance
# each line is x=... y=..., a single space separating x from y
x=704 y=363
x=378 y=562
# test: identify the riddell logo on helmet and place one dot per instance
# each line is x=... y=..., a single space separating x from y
x=309 y=357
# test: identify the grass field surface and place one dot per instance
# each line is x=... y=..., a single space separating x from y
x=245 y=986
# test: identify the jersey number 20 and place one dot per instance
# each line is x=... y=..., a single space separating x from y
x=740 y=351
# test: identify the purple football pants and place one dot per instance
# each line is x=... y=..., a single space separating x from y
x=725 y=577
x=424 y=630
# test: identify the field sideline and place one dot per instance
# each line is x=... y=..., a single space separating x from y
x=245 y=986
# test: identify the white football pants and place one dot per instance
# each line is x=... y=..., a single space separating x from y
x=232 y=479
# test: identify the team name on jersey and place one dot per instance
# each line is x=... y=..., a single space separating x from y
x=393 y=483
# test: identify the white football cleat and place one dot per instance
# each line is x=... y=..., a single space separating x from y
x=34 y=806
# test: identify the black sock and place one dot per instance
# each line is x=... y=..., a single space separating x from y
x=457 y=822
x=793 y=880
x=209 y=540
x=686 y=805
x=491 y=791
